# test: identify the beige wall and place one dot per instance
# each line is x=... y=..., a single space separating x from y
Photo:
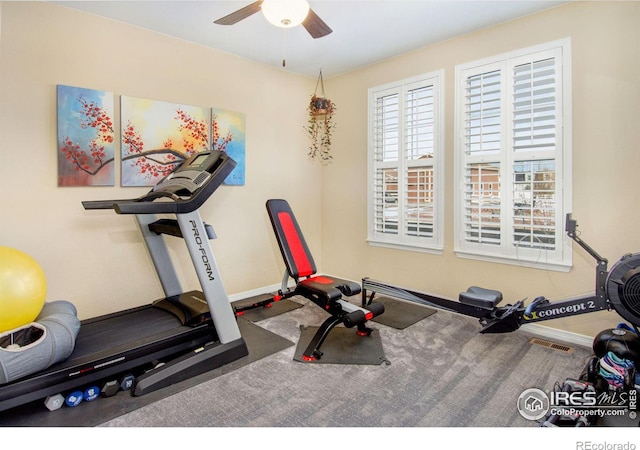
x=605 y=40
x=96 y=259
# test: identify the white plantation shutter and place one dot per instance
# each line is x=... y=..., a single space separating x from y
x=511 y=156
x=483 y=119
x=534 y=106
x=418 y=179
x=482 y=210
x=483 y=147
x=386 y=141
x=405 y=163
x=534 y=205
x=535 y=129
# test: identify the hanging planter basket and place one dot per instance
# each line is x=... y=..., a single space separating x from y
x=320 y=106
x=320 y=125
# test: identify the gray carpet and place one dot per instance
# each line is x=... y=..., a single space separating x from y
x=443 y=373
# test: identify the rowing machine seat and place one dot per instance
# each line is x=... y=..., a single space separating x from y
x=480 y=297
x=323 y=290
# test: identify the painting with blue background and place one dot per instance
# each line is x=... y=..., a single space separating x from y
x=229 y=134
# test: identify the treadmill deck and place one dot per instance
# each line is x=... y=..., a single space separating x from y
x=109 y=345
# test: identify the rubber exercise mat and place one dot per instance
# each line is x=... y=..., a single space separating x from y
x=262 y=313
x=343 y=346
x=261 y=343
x=400 y=314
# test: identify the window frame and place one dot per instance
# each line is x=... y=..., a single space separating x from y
x=507 y=252
x=402 y=240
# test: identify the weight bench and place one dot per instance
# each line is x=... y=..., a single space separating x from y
x=324 y=291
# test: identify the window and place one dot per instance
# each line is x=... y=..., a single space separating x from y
x=513 y=157
x=405 y=164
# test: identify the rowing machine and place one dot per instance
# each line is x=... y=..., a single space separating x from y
x=618 y=289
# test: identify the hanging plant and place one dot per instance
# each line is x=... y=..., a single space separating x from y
x=320 y=124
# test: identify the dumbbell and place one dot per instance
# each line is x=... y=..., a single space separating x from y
x=54 y=402
x=74 y=398
x=91 y=393
x=126 y=382
x=111 y=387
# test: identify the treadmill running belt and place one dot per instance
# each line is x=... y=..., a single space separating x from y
x=109 y=345
x=108 y=333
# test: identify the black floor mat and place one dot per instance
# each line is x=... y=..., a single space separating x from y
x=261 y=343
x=343 y=346
x=262 y=313
x=400 y=314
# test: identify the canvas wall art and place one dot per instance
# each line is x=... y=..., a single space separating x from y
x=229 y=135
x=85 y=137
x=157 y=136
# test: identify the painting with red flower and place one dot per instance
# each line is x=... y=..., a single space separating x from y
x=228 y=135
x=85 y=137
x=158 y=136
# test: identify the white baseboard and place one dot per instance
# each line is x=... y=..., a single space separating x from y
x=558 y=335
x=253 y=292
x=258 y=291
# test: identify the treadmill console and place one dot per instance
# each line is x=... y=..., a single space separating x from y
x=191 y=175
x=182 y=191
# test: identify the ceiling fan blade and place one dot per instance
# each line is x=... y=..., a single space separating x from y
x=240 y=14
x=316 y=26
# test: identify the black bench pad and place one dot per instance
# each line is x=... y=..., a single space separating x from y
x=328 y=288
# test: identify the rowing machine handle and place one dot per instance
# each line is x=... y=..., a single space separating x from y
x=528 y=312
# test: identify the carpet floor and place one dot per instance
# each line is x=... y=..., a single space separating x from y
x=439 y=372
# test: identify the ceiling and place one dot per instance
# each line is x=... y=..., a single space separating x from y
x=364 y=31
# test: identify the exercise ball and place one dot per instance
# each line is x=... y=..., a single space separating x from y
x=23 y=288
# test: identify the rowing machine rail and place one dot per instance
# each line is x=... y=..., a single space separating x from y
x=483 y=303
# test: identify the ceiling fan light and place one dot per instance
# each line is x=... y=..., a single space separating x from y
x=285 y=13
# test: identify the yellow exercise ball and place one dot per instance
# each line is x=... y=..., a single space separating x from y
x=23 y=289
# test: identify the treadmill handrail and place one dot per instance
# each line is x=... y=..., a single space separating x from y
x=146 y=204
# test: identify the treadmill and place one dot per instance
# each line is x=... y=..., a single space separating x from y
x=189 y=332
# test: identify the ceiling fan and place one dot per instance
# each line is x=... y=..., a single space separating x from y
x=282 y=13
